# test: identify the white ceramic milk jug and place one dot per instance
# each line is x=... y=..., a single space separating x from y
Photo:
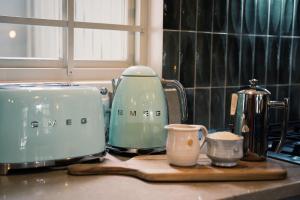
x=183 y=146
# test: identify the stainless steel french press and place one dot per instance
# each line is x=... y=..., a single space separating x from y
x=250 y=110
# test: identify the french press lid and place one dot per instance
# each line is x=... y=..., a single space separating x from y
x=254 y=89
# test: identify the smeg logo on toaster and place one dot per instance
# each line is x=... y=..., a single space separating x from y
x=134 y=113
x=52 y=123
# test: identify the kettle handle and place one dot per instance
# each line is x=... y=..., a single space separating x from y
x=181 y=94
x=285 y=106
x=115 y=83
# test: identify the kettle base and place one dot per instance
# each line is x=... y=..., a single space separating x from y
x=135 y=151
x=5 y=168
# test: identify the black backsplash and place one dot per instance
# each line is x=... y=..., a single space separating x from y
x=213 y=47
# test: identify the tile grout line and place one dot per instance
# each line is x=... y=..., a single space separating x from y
x=279 y=51
x=226 y=63
x=241 y=43
x=254 y=41
x=235 y=86
x=211 y=61
x=179 y=45
x=292 y=48
x=268 y=41
x=195 y=65
x=233 y=34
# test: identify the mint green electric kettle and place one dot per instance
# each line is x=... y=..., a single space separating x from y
x=139 y=111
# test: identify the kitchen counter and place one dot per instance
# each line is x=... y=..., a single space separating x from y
x=57 y=184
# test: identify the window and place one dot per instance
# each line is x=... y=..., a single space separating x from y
x=70 y=39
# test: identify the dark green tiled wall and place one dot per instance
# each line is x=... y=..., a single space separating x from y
x=213 y=47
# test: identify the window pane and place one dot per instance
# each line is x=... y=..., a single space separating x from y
x=45 y=9
x=102 y=11
x=30 y=41
x=93 y=44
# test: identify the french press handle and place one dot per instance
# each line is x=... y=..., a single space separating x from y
x=181 y=95
x=285 y=106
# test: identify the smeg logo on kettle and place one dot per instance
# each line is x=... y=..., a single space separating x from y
x=134 y=113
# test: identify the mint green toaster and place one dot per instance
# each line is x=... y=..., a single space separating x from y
x=42 y=125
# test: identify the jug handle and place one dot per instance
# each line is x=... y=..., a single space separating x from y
x=181 y=94
x=204 y=135
x=285 y=106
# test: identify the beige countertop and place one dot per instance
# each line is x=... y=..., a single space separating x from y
x=58 y=184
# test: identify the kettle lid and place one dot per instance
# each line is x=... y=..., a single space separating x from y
x=254 y=89
x=139 y=70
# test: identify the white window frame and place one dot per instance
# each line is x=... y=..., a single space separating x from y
x=68 y=69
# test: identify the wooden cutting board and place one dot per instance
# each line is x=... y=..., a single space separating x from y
x=156 y=168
